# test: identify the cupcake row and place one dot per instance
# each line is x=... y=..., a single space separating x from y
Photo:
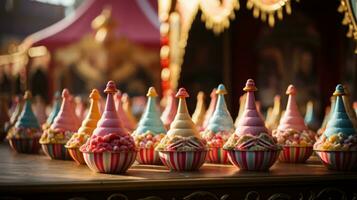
x=174 y=139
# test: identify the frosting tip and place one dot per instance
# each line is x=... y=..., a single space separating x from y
x=339 y=90
x=151 y=92
x=221 y=89
x=291 y=90
x=250 y=86
x=111 y=88
x=182 y=93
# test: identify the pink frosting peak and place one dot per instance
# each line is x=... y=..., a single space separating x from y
x=66 y=120
x=121 y=113
x=292 y=118
x=251 y=121
x=110 y=123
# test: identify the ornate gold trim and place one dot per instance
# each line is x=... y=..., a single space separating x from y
x=349 y=20
x=268 y=11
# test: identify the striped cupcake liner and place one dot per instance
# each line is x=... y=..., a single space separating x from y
x=338 y=160
x=218 y=156
x=148 y=157
x=56 y=151
x=76 y=155
x=31 y=146
x=183 y=160
x=295 y=154
x=110 y=163
x=253 y=160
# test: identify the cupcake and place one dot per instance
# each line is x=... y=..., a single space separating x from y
x=24 y=136
x=182 y=149
x=55 y=110
x=170 y=110
x=110 y=149
x=4 y=116
x=121 y=113
x=252 y=147
x=128 y=110
x=219 y=129
x=198 y=115
x=292 y=133
x=86 y=129
x=53 y=139
x=337 y=147
x=211 y=107
x=149 y=132
x=348 y=106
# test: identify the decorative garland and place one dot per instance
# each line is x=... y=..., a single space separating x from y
x=349 y=20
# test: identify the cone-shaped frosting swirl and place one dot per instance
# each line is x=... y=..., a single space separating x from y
x=170 y=110
x=211 y=107
x=198 y=115
x=221 y=119
x=110 y=122
x=339 y=121
x=93 y=116
x=250 y=123
x=292 y=118
x=150 y=120
x=27 y=118
x=66 y=120
x=55 y=109
x=242 y=100
x=183 y=125
x=121 y=113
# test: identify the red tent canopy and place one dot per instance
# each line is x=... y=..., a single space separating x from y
x=137 y=20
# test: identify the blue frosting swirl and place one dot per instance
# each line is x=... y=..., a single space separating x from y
x=221 y=119
x=339 y=121
x=27 y=118
x=55 y=109
x=150 y=120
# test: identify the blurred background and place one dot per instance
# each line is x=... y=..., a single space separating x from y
x=80 y=45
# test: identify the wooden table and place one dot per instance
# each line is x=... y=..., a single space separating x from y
x=37 y=177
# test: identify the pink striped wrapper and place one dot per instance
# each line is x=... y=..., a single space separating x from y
x=253 y=160
x=76 y=155
x=148 y=157
x=338 y=160
x=218 y=156
x=56 y=151
x=295 y=154
x=183 y=160
x=31 y=146
x=110 y=163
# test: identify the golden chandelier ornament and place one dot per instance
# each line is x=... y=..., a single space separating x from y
x=349 y=9
x=267 y=9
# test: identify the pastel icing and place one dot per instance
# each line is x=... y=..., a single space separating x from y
x=17 y=111
x=127 y=108
x=198 y=115
x=27 y=118
x=211 y=107
x=242 y=100
x=221 y=119
x=55 y=109
x=90 y=121
x=355 y=106
x=170 y=110
x=121 y=113
x=250 y=122
x=183 y=125
x=110 y=122
x=310 y=118
x=150 y=120
x=292 y=118
x=66 y=120
x=339 y=121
